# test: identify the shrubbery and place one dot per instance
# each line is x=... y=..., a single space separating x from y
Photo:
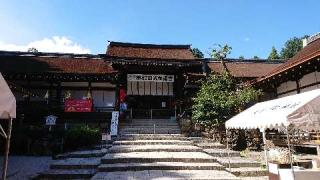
x=220 y=98
x=38 y=140
x=81 y=136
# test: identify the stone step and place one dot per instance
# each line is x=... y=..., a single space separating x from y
x=152 y=137
x=159 y=166
x=148 y=157
x=256 y=178
x=248 y=171
x=210 y=145
x=222 y=153
x=154 y=148
x=148 y=125
x=84 y=153
x=150 y=120
x=145 y=128
x=152 y=142
x=150 y=131
x=165 y=174
x=76 y=163
x=67 y=174
x=236 y=162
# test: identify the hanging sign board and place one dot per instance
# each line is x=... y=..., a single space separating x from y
x=78 y=105
x=51 y=120
x=150 y=77
x=114 y=123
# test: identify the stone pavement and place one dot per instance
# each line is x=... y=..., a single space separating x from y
x=166 y=174
x=136 y=155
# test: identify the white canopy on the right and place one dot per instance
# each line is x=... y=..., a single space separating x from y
x=300 y=110
x=7 y=101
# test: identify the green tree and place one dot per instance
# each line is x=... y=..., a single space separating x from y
x=273 y=54
x=219 y=99
x=197 y=53
x=220 y=54
x=291 y=47
x=256 y=57
x=241 y=57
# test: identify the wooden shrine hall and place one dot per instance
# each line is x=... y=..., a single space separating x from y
x=156 y=81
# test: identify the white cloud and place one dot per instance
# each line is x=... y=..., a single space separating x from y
x=246 y=39
x=54 y=44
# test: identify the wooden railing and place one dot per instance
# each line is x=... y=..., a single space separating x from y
x=151 y=113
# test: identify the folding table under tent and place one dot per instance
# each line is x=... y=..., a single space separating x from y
x=7 y=112
x=301 y=111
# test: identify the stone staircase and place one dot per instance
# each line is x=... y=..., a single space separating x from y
x=149 y=126
x=74 y=165
x=141 y=152
x=155 y=149
x=239 y=166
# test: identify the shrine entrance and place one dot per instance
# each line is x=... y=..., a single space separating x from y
x=150 y=96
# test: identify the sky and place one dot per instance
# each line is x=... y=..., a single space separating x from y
x=250 y=27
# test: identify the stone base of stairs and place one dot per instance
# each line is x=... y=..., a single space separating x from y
x=248 y=171
x=152 y=142
x=222 y=153
x=154 y=148
x=148 y=157
x=159 y=166
x=67 y=174
x=76 y=163
x=236 y=162
x=165 y=174
x=84 y=154
x=152 y=137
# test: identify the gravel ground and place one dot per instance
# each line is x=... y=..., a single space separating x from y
x=24 y=167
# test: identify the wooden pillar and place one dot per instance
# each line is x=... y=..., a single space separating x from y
x=298 y=86
x=116 y=104
x=58 y=92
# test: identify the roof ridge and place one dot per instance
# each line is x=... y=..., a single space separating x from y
x=149 y=45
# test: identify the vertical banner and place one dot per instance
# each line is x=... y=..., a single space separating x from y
x=114 y=123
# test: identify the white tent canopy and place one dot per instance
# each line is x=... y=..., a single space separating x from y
x=7 y=111
x=7 y=101
x=300 y=110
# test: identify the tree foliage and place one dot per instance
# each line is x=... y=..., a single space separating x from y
x=220 y=98
x=241 y=57
x=220 y=52
x=256 y=57
x=273 y=54
x=33 y=50
x=197 y=53
x=291 y=47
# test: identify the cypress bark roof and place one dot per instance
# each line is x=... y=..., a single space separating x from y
x=151 y=51
x=247 y=68
x=30 y=64
x=309 y=52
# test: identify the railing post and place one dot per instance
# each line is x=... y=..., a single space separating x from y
x=130 y=113
x=150 y=113
x=175 y=111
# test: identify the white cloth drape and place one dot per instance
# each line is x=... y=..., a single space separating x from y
x=7 y=101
